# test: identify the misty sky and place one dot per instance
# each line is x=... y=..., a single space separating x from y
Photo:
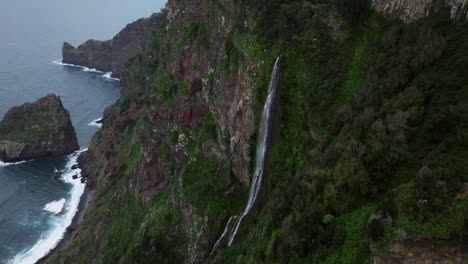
x=71 y=20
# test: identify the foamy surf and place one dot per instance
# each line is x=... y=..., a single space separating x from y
x=91 y=70
x=50 y=239
x=105 y=75
x=4 y=164
x=108 y=76
x=86 y=69
x=95 y=123
x=55 y=207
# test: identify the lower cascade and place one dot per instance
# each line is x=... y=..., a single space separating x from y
x=262 y=143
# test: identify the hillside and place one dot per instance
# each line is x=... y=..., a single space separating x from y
x=367 y=161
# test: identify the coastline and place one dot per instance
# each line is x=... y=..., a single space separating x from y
x=83 y=163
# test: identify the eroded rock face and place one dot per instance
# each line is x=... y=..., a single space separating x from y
x=411 y=10
x=111 y=55
x=38 y=129
x=422 y=250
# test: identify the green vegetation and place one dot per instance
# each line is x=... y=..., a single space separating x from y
x=196 y=33
x=28 y=130
x=358 y=67
x=354 y=248
x=32 y=122
x=370 y=118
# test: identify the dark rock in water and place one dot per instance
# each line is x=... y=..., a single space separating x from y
x=85 y=163
x=111 y=55
x=100 y=121
x=83 y=180
x=75 y=176
x=38 y=129
x=74 y=167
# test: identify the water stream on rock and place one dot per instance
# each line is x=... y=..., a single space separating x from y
x=262 y=144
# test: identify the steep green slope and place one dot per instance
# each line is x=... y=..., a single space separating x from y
x=371 y=118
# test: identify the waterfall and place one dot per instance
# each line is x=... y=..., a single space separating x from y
x=262 y=143
x=223 y=234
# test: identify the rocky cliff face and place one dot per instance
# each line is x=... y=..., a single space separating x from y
x=423 y=250
x=368 y=114
x=411 y=10
x=111 y=55
x=38 y=129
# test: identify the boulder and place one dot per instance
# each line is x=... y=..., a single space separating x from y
x=38 y=129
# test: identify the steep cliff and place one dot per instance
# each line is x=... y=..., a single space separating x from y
x=111 y=55
x=411 y=10
x=367 y=147
x=38 y=129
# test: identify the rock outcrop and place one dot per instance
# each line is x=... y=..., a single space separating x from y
x=422 y=250
x=411 y=10
x=38 y=129
x=111 y=55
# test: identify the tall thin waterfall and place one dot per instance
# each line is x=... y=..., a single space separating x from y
x=262 y=144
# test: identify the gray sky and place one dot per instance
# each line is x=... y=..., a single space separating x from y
x=72 y=20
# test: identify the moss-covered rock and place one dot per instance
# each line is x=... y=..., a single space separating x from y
x=38 y=129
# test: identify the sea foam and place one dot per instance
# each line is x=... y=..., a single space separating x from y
x=4 y=164
x=95 y=123
x=55 y=207
x=86 y=69
x=59 y=224
x=105 y=75
x=108 y=76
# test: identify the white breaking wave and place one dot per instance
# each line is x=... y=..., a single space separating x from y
x=108 y=76
x=55 y=207
x=49 y=240
x=59 y=62
x=95 y=123
x=91 y=70
x=105 y=75
x=86 y=69
x=4 y=164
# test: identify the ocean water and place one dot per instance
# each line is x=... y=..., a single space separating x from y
x=38 y=198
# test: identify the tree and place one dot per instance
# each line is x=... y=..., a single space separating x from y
x=354 y=10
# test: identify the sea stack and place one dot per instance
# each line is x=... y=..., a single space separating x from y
x=39 y=129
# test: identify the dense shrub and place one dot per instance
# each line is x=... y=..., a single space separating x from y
x=354 y=10
x=430 y=190
x=376 y=229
